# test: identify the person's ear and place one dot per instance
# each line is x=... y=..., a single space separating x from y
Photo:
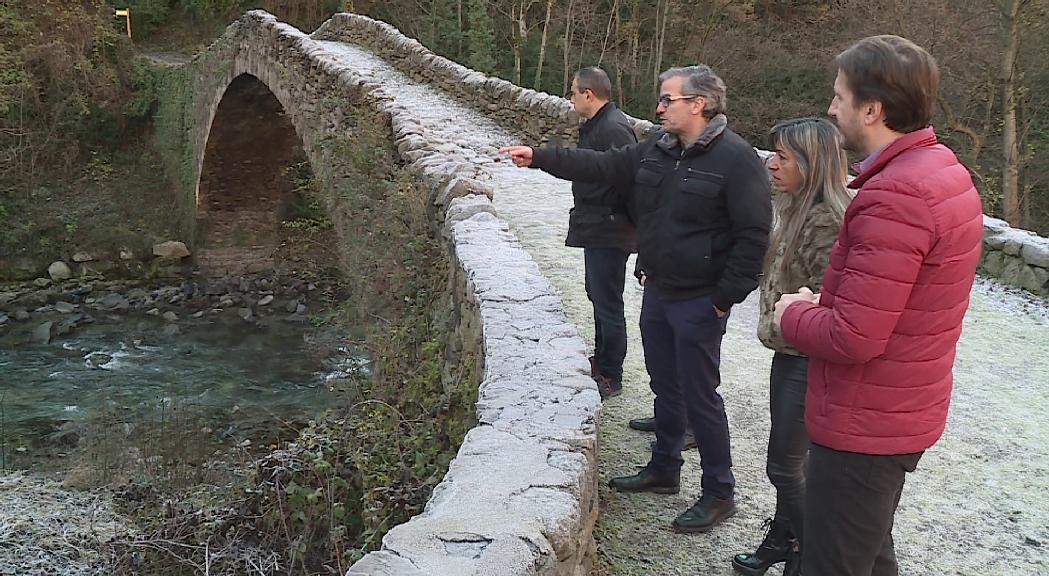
x=698 y=104
x=872 y=113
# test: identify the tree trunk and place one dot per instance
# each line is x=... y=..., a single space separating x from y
x=565 y=82
x=542 y=47
x=613 y=16
x=1010 y=142
x=661 y=35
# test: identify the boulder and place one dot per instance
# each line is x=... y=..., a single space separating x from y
x=59 y=271
x=81 y=257
x=65 y=307
x=42 y=282
x=170 y=249
x=42 y=334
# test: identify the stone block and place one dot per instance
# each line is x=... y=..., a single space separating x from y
x=1034 y=279
x=1035 y=252
x=1011 y=271
x=993 y=262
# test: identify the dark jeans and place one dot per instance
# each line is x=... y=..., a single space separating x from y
x=682 y=341
x=850 y=504
x=788 y=440
x=605 y=270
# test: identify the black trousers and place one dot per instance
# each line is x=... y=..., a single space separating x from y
x=850 y=504
x=604 y=275
x=682 y=341
x=788 y=440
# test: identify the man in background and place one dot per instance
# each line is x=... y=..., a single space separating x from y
x=598 y=224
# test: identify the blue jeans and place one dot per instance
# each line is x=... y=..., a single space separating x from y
x=682 y=340
x=605 y=271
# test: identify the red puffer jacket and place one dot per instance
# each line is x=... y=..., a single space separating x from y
x=882 y=339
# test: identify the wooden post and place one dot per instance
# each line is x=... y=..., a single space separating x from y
x=126 y=13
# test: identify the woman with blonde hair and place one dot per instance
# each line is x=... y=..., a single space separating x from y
x=809 y=174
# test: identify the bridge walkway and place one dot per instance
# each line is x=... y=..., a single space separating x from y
x=979 y=503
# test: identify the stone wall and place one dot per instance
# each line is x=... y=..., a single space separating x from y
x=521 y=495
x=1015 y=256
x=540 y=116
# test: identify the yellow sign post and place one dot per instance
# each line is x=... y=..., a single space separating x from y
x=126 y=13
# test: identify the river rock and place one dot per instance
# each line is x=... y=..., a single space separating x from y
x=153 y=311
x=171 y=330
x=113 y=302
x=83 y=257
x=170 y=316
x=266 y=300
x=21 y=314
x=65 y=307
x=59 y=271
x=292 y=306
x=42 y=282
x=127 y=254
x=3 y=318
x=170 y=249
x=245 y=313
x=42 y=333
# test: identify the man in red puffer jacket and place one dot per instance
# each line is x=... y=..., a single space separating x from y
x=882 y=334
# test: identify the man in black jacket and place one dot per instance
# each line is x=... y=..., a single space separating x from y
x=598 y=224
x=702 y=205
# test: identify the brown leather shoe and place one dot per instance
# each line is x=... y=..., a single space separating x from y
x=594 y=372
x=705 y=514
x=608 y=387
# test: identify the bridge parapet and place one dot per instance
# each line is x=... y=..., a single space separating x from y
x=540 y=116
x=521 y=495
x=1017 y=257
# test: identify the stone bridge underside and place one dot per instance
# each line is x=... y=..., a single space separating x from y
x=522 y=495
x=243 y=179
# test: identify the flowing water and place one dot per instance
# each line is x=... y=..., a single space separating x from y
x=237 y=378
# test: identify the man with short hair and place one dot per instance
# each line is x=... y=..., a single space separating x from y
x=702 y=204
x=598 y=223
x=881 y=336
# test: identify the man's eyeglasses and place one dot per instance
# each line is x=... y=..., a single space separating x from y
x=665 y=100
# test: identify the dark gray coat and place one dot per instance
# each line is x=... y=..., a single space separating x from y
x=599 y=217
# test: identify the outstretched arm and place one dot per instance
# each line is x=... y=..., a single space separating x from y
x=616 y=166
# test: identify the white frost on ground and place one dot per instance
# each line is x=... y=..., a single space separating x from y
x=46 y=530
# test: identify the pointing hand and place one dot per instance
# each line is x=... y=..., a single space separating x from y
x=521 y=156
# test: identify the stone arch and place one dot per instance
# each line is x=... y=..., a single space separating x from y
x=242 y=184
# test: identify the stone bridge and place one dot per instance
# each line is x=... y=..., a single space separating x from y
x=524 y=493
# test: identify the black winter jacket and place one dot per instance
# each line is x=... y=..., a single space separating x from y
x=599 y=216
x=703 y=215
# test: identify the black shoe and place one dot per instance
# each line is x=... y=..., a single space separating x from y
x=690 y=442
x=707 y=513
x=776 y=547
x=793 y=567
x=594 y=372
x=648 y=481
x=643 y=424
x=608 y=387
